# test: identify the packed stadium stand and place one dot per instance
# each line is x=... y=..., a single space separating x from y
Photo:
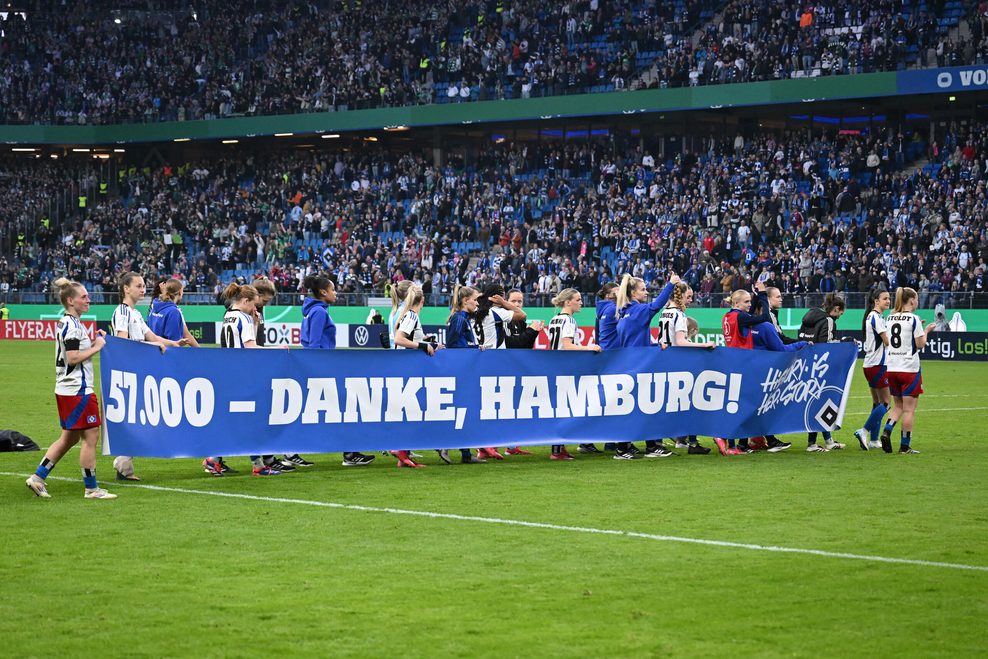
x=825 y=207
x=98 y=63
x=850 y=207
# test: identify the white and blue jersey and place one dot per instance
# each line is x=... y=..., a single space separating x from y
x=129 y=320
x=561 y=327
x=238 y=329
x=77 y=380
x=874 y=349
x=411 y=327
x=903 y=355
x=671 y=322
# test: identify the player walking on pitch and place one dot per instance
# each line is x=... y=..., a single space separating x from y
x=78 y=408
x=906 y=339
x=876 y=342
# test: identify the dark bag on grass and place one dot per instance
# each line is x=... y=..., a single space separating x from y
x=11 y=440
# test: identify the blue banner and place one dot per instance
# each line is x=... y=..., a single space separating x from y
x=212 y=401
x=951 y=79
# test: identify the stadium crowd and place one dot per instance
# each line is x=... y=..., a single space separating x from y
x=87 y=64
x=778 y=40
x=845 y=213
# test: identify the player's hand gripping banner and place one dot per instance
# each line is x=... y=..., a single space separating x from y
x=198 y=402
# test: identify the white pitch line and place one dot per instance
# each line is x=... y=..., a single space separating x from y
x=928 y=410
x=551 y=527
x=930 y=396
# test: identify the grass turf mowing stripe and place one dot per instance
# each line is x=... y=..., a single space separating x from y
x=544 y=525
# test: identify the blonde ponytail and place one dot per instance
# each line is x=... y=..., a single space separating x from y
x=398 y=292
x=624 y=293
x=902 y=296
x=460 y=294
x=412 y=297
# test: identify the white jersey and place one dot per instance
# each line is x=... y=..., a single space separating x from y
x=490 y=331
x=874 y=349
x=238 y=329
x=72 y=380
x=902 y=355
x=129 y=320
x=411 y=327
x=562 y=326
x=671 y=321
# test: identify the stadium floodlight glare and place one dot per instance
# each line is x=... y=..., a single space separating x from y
x=394 y=129
x=81 y=150
x=24 y=149
x=952 y=99
x=53 y=156
x=231 y=141
x=370 y=139
x=117 y=21
x=283 y=134
x=331 y=136
x=120 y=150
x=182 y=139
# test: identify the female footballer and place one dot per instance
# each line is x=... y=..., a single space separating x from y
x=319 y=331
x=562 y=336
x=674 y=330
x=128 y=323
x=876 y=342
x=78 y=408
x=634 y=316
x=906 y=339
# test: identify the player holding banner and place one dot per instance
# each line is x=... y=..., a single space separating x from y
x=820 y=326
x=128 y=323
x=409 y=335
x=78 y=408
x=238 y=332
x=562 y=336
x=634 y=316
x=674 y=330
x=737 y=326
x=906 y=339
x=319 y=332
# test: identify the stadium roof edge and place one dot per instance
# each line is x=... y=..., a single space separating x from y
x=824 y=88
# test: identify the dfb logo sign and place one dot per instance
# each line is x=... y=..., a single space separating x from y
x=283 y=334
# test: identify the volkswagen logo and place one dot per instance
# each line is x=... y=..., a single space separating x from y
x=361 y=336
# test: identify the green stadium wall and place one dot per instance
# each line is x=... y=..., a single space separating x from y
x=708 y=319
x=804 y=90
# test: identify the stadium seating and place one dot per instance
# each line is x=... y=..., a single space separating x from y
x=536 y=218
x=97 y=64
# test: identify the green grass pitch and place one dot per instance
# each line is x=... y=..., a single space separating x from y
x=161 y=572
